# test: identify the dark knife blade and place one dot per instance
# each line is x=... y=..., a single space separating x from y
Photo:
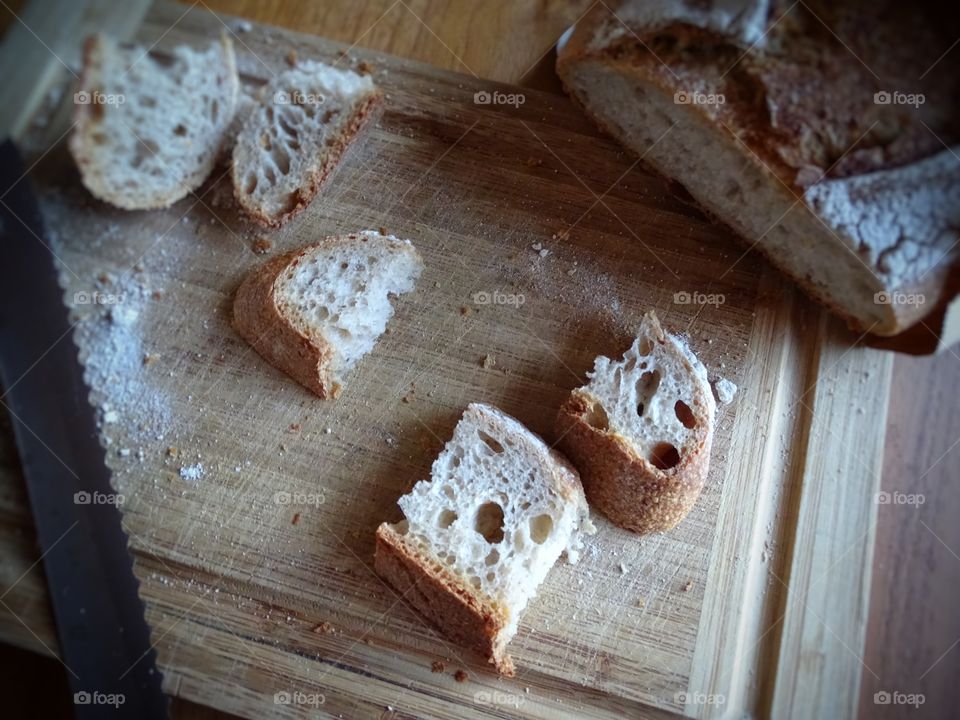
x=104 y=639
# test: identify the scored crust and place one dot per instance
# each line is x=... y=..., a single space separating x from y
x=865 y=248
x=441 y=597
x=365 y=114
x=618 y=480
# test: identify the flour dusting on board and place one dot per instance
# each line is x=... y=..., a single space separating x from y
x=109 y=315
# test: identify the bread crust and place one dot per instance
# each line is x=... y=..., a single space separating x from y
x=886 y=319
x=368 y=112
x=441 y=597
x=258 y=319
x=619 y=481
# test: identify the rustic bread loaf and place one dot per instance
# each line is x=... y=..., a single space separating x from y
x=792 y=124
x=292 y=142
x=314 y=312
x=640 y=431
x=480 y=536
x=148 y=132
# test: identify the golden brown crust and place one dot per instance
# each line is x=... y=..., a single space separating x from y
x=257 y=317
x=624 y=486
x=364 y=116
x=441 y=597
x=897 y=317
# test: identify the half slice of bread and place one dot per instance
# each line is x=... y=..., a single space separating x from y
x=640 y=431
x=307 y=118
x=314 y=312
x=149 y=131
x=480 y=536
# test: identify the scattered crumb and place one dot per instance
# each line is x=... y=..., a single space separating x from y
x=461 y=676
x=295 y=427
x=437 y=667
x=641 y=602
x=157 y=294
x=172 y=451
x=533 y=162
x=192 y=473
x=465 y=310
x=262 y=245
x=296 y=519
x=623 y=569
x=724 y=390
x=365 y=68
x=149 y=358
x=406 y=400
x=324 y=628
x=383 y=230
x=488 y=362
x=687 y=586
x=292 y=58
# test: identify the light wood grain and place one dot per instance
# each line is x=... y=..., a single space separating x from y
x=743 y=633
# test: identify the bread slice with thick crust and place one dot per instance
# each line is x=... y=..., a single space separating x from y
x=148 y=131
x=640 y=431
x=314 y=312
x=480 y=536
x=292 y=142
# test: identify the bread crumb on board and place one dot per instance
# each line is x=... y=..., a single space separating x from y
x=261 y=245
x=461 y=676
x=324 y=628
x=724 y=390
x=488 y=362
x=437 y=666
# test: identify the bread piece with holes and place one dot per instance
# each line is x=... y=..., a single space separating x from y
x=148 y=131
x=314 y=312
x=290 y=145
x=640 y=431
x=480 y=536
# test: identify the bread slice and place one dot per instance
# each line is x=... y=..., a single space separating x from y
x=640 y=431
x=480 y=536
x=314 y=312
x=149 y=131
x=307 y=117
x=811 y=159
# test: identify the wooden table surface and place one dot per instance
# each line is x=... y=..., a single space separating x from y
x=914 y=641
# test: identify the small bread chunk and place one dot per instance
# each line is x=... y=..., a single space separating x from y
x=480 y=536
x=640 y=431
x=314 y=312
x=307 y=117
x=148 y=132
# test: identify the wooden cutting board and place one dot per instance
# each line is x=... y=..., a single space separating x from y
x=251 y=504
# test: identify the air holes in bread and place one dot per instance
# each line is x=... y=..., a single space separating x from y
x=447 y=518
x=492 y=558
x=645 y=347
x=685 y=415
x=664 y=456
x=540 y=528
x=489 y=522
x=647 y=386
x=597 y=417
x=490 y=442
